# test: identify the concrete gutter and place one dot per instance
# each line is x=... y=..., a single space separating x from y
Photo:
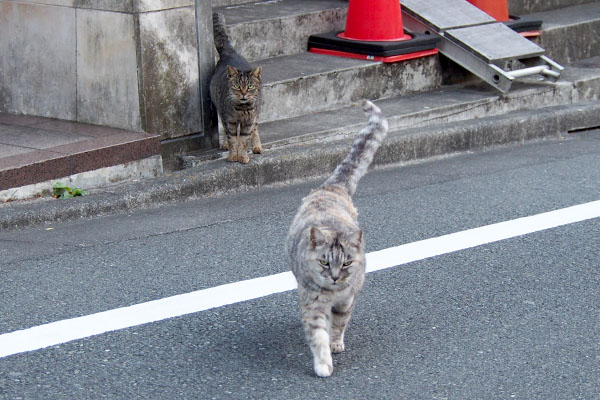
x=291 y=163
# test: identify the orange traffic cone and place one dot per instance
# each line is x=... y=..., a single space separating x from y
x=498 y=9
x=374 y=22
x=374 y=31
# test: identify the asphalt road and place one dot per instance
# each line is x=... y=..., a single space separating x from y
x=518 y=318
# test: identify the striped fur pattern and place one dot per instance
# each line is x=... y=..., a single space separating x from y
x=235 y=91
x=326 y=252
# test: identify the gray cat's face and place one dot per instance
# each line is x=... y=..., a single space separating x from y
x=334 y=256
x=244 y=86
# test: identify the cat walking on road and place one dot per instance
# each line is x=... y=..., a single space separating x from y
x=326 y=247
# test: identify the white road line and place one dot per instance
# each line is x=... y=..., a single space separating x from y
x=54 y=333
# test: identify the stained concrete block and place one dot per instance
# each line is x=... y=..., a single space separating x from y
x=306 y=83
x=106 y=5
x=156 y=5
x=572 y=33
x=61 y=3
x=37 y=63
x=169 y=72
x=224 y=3
x=284 y=29
x=107 y=78
x=521 y=7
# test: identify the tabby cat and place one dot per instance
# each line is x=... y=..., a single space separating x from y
x=326 y=247
x=235 y=92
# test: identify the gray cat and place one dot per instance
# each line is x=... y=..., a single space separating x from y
x=326 y=247
x=235 y=92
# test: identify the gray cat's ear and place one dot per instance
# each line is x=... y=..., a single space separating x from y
x=354 y=238
x=317 y=238
x=256 y=72
x=231 y=71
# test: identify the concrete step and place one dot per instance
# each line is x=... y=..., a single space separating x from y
x=275 y=28
x=579 y=82
x=35 y=152
x=571 y=33
x=312 y=160
x=520 y=7
x=304 y=83
x=272 y=28
x=226 y=3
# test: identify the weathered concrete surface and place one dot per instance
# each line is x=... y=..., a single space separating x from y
x=107 y=81
x=127 y=64
x=224 y=3
x=520 y=7
x=294 y=163
x=37 y=62
x=572 y=33
x=585 y=77
x=283 y=30
x=146 y=168
x=169 y=73
x=305 y=83
x=579 y=82
x=127 y=6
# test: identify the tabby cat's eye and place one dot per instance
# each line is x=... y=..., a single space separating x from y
x=347 y=263
x=324 y=262
x=236 y=86
x=250 y=86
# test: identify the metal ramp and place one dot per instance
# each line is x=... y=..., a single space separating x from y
x=477 y=42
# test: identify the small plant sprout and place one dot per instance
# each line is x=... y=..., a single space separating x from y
x=62 y=191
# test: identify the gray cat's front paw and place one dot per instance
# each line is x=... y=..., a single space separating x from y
x=337 y=347
x=243 y=158
x=323 y=370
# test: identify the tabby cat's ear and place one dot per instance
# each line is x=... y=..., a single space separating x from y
x=231 y=71
x=317 y=238
x=256 y=72
x=354 y=238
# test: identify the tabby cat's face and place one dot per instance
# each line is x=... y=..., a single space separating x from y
x=244 y=86
x=334 y=256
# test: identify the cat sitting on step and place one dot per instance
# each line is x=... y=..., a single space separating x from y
x=326 y=247
x=235 y=92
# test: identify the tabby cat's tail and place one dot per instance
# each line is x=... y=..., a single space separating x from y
x=220 y=33
x=364 y=147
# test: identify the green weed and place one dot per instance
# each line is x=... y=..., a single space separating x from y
x=64 y=192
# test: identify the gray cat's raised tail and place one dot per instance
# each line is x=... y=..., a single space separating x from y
x=222 y=41
x=355 y=164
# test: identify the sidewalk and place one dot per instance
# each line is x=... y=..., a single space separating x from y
x=454 y=118
x=35 y=150
x=305 y=161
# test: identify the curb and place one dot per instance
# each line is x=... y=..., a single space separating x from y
x=306 y=161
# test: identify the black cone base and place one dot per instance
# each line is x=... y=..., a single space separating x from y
x=330 y=41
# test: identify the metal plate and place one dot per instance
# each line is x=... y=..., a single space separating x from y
x=446 y=14
x=494 y=42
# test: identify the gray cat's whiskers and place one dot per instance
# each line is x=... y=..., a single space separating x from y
x=325 y=247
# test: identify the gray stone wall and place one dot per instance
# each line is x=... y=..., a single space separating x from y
x=133 y=64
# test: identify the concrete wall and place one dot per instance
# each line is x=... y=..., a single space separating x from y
x=129 y=64
x=522 y=7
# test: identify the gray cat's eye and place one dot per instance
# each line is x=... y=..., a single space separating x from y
x=347 y=263
x=324 y=262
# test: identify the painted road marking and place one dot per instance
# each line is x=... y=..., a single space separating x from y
x=54 y=333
